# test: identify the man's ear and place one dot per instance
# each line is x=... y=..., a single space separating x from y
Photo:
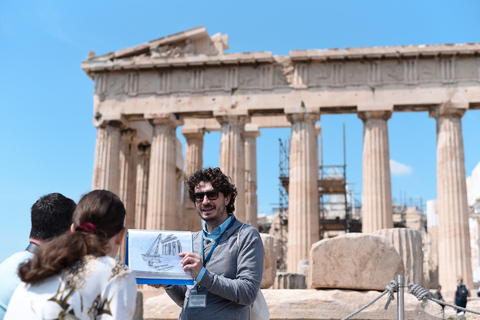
x=227 y=199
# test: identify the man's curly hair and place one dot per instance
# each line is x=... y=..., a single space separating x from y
x=219 y=181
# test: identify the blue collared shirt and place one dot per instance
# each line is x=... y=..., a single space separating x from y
x=213 y=236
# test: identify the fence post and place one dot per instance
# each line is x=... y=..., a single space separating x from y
x=400 y=296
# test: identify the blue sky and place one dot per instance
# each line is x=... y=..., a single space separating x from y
x=47 y=135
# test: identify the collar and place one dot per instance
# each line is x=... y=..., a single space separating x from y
x=217 y=231
x=32 y=247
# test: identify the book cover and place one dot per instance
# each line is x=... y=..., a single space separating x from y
x=153 y=255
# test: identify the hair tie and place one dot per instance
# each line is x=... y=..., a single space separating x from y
x=87 y=227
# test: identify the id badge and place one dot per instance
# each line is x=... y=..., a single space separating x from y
x=197 y=300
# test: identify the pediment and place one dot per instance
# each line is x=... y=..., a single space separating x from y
x=192 y=42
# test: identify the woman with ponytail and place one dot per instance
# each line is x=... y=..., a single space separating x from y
x=76 y=276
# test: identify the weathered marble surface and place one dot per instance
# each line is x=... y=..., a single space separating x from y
x=269 y=262
x=408 y=243
x=354 y=261
x=316 y=305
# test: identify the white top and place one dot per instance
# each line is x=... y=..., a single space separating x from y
x=93 y=288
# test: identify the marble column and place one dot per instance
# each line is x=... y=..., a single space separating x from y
x=232 y=156
x=162 y=184
x=193 y=162
x=128 y=175
x=454 y=256
x=107 y=161
x=303 y=214
x=251 y=205
x=141 y=199
x=377 y=212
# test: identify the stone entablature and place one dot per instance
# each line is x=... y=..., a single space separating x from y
x=336 y=80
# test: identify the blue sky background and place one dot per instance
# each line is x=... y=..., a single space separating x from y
x=46 y=100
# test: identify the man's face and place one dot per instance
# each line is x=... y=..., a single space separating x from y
x=209 y=208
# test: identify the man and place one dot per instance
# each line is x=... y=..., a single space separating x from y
x=438 y=295
x=51 y=216
x=461 y=294
x=227 y=262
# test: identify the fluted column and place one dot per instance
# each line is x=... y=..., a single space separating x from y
x=454 y=256
x=303 y=219
x=251 y=206
x=408 y=243
x=141 y=199
x=232 y=156
x=128 y=175
x=107 y=161
x=193 y=162
x=162 y=195
x=377 y=212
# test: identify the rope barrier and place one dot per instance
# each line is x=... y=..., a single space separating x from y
x=422 y=294
x=389 y=289
x=418 y=291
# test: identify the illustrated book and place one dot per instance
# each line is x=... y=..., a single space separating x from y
x=153 y=255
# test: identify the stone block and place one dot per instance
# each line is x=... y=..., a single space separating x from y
x=337 y=304
x=316 y=305
x=285 y=280
x=269 y=262
x=354 y=261
x=160 y=307
x=408 y=243
x=303 y=269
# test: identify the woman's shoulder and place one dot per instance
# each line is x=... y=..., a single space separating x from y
x=106 y=262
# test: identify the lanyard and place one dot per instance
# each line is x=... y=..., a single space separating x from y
x=205 y=260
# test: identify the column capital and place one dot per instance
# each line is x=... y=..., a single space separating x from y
x=302 y=116
x=302 y=113
x=114 y=120
x=377 y=115
x=232 y=118
x=164 y=119
x=448 y=109
x=111 y=123
x=251 y=131
x=193 y=133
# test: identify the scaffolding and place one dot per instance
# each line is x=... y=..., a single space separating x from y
x=283 y=206
x=338 y=208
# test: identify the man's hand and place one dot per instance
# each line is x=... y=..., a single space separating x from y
x=191 y=261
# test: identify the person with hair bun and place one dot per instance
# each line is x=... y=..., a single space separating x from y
x=76 y=276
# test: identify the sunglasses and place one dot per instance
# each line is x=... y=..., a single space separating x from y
x=211 y=195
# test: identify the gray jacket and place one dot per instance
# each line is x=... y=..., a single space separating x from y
x=233 y=275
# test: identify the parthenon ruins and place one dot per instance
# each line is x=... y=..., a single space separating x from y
x=143 y=93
